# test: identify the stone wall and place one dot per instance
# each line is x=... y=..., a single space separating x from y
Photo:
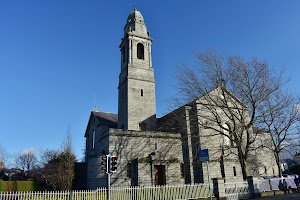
x=131 y=146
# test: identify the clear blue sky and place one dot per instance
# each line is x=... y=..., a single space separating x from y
x=58 y=58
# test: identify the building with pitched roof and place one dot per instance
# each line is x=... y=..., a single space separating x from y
x=151 y=151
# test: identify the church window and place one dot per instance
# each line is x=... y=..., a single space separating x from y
x=143 y=126
x=93 y=139
x=266 y=170
x=129 y=170
x=222 y=167
x=227 y=135
x=234 y=171
x=182 y=170
x=140 y=51
x=142 y=92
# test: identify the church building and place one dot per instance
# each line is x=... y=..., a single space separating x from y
x=150 y=151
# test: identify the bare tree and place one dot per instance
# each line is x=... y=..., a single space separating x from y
x=50 y=156
x=280 y=120
x=48 y=173
x=66 y=164
x=58 y=169
x=229 y=92
x=26 y=161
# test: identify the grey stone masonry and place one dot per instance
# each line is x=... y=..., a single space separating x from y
x=131 y=146
x=132 y=149
x=137 y=105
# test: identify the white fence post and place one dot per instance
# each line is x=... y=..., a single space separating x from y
x=117 y=193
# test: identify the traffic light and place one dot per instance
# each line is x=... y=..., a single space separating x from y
x=104 y=163
x=113 y=164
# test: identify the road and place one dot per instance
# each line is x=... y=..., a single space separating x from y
x=294 y=196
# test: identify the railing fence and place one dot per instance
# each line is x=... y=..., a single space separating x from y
x=117 y=193
x=236 y=190
x=233 y=190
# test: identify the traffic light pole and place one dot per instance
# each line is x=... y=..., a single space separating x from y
x=109 y=166
x=108 y=186
x=108 y=175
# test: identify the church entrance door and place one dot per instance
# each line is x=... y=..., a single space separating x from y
x=159 y=175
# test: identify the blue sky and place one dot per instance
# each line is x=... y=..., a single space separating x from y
x=58 y=58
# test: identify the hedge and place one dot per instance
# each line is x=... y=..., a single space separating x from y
x=2 y=185
x=19 y=186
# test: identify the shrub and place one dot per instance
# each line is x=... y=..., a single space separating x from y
x=11 y=186
x=27 y=186
x=2 y=185
x=19 y=186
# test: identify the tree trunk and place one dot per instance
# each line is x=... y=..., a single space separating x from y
x=277 y=156
x=243 y=165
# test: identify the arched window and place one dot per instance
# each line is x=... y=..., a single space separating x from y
x=140 y=51
x=226 y=134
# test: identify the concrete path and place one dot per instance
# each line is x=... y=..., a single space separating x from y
x=295 y=196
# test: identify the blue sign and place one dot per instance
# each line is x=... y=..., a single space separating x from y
x=203 y=155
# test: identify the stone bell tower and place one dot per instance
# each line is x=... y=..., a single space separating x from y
x=137 y=108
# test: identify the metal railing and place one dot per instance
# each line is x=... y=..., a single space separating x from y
x=116 y=193
x=237 y=190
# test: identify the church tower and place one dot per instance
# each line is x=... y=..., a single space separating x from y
x=137 y=107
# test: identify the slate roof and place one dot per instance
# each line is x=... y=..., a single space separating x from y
x=106 y=117
x=290 y=161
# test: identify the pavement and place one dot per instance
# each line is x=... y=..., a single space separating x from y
x=294 y=196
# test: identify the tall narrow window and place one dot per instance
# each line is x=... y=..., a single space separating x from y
x=234 y=171
x=142 y=93
x=227 y=137
x=140 y=51
x=222 y=167
x=93 y=139
x=129 y=170
x=182 y=170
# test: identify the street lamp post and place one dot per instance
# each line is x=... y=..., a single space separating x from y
x=150 y=157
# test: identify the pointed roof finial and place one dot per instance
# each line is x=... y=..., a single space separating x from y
x=134 y=6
